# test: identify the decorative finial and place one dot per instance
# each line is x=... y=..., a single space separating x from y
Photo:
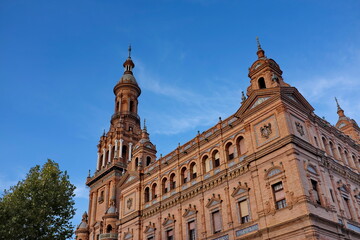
x=104 y=133
x=89 y=174
x=129 y=49
x=219 y=119
x=258 y=43
x=145 y=125
x=243 y=98
x=337 y=104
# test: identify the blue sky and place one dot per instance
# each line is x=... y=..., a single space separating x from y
x=59 y=61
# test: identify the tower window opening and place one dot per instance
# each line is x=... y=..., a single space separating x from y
x=131 y=106
x=261 y=83
x=148 y=161
x=117 y=106
x=109 y=229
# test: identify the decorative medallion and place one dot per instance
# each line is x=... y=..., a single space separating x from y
x=299 y=128
x=129 y=203
x=266 y=131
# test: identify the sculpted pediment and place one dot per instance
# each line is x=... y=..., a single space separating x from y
x=191 y=210
x=239 y=190
x=169 y=220
x=213 y=201
x=150 y=228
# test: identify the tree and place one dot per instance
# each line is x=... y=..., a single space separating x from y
x=39 y=207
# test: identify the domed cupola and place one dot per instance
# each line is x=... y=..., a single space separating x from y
x=82 y=231
x=347 y=125
x=264 y=73
x=128 y=79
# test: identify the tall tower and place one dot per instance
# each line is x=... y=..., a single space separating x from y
x=115 y=150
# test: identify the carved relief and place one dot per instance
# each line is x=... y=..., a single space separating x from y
x=266 y=131
x=300 y=128
x=129 y=203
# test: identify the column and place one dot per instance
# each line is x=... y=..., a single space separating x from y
x=116 y=148
x=109 y=157
x=103 y=158
x=130 y=148
x=98 y=162
x=121 y=147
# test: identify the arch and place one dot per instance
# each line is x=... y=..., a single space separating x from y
x=346 y=157
x=147 y=194
x=148 y=160
x=154 y=191
x=261 y=83
x=172 y=181
x=312 y=169
x=131 y=107
x=136 y=163
x=354 y=160
x=124 y=152
x=106 y=156
x=164 y=185
x=332 y=149
x=109 y=229
x=230 y=151
x=273 y=172
x=240 y=146
x=326 y=146
x=112 y=152
x=184 y=175
x=100 y=162
x=341 y=155
x=193 y=170
x=207 y=163
x=216 y=158
x=117 y=106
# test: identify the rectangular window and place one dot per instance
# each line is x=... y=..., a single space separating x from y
x=170 y=234
x=216 y=217
x=191 y=230
x=279 y=195
x=314 y=185
x=332 y=195
x=347 y=207
x=244 y=211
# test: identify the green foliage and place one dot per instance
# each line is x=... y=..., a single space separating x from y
x=39 y=207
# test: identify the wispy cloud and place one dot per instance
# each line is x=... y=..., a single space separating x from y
x=81 y=191
x=190 y=108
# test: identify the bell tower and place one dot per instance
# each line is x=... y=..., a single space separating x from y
x=264 y=73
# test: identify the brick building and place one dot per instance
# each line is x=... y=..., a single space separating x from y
x=272 y=170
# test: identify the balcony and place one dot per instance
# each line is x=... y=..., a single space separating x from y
x=108 y=236
x=125 y=114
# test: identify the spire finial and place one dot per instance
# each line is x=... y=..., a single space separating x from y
x=145 y=124
x=337 y=104
x=129 y=50
x=258 y=43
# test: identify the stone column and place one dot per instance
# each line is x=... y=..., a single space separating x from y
x=116 y=148
x=109 y=157
x=98 y=162
x=103 y=158
x=121 y=147
x=130 y=148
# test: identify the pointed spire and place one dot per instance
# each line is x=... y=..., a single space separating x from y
x=260 y=52
x=340 y=112
x=145 y=128
x=129 y=50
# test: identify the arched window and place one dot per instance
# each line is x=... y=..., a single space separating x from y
x=230 y=151
x=207 y=164
x=216 y=158
x=106 y=157
x=354 y=160
x=341 y=156
x=136 y=163
x=326 y=146
x=240 y=144
x=148 y=160
x=117 y=106
x=333 y=150
x=193 y=170
x=147 y=194
x=184 y=175
x=100 y=162
x=346 y=156
x=164 y=185
x=124 y=152
x=261 y=83
x=154 y=191
x=131 y=106
x=112 y=152
x=172 y=181
x=109 y=228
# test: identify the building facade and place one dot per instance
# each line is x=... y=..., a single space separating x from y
x=272 y=170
